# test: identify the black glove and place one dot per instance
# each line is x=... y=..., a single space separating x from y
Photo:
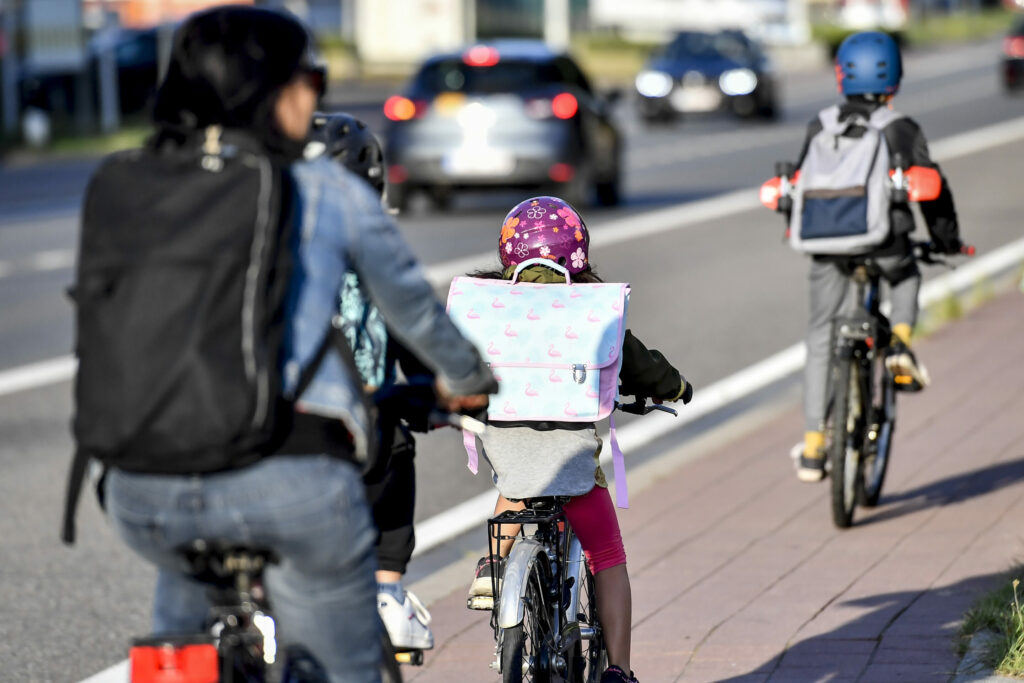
x=687 y=394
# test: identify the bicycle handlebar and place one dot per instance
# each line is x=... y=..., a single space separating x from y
x=640 y=406
x=926 y=252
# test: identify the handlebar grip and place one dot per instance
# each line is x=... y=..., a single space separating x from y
x=784 y=168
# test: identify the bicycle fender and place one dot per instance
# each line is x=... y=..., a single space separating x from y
x=525 y=553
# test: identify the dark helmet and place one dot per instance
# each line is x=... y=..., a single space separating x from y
x=348 y=141
x=869 y=63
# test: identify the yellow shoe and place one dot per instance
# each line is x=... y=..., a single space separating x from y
x=810 y=459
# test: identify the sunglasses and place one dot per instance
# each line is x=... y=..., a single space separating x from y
x=317 y=76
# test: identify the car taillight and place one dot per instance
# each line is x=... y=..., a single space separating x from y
x=481 y=55
x=398 y=108
x=562 y=106
x=1013 y=46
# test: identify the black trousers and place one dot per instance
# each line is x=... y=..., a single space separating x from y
x=391 y=492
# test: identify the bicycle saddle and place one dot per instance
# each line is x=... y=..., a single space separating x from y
x=218 y=563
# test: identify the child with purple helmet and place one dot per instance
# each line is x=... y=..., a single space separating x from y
x=532 y=459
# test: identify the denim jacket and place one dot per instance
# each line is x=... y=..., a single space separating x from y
x=343 y=227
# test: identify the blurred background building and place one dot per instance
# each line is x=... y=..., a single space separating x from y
x=84 y=65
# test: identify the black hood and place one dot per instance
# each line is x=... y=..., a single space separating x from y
x=227 y=66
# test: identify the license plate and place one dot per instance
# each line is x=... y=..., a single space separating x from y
x=702 y=98
x=477 y=162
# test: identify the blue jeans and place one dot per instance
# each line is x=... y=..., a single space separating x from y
x=310 y=510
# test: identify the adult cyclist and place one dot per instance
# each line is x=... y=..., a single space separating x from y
x=249 y=71
x=869 y=70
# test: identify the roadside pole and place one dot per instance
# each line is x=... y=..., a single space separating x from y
x=11 y=98
x=556 y=23
x=110 y=96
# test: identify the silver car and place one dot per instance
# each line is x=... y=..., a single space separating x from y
x=505 y=114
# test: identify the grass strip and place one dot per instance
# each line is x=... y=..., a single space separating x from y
x=999 y=613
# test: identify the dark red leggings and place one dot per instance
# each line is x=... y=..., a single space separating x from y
x=592 y=517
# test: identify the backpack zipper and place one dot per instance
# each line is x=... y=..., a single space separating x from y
x=256 y=373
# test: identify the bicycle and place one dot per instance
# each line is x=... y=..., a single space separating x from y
x=239 y=645
x=544 y=613
x=861 y=393
x=861 y=409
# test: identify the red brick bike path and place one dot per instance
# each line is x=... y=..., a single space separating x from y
x=739 y=575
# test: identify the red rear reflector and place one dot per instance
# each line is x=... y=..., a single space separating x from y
x=397 y=174
x=564 y=105
x=561 y=173
x=170 y=663
x=398 y=108
x=1013 y=46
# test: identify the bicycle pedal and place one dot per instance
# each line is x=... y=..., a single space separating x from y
x=906 y=383
x=411 y=657
x=480 y=602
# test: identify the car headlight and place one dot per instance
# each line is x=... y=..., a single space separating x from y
x=653 y=83
x=738 y=82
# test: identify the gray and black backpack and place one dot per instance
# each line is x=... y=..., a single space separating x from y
x=842 y=197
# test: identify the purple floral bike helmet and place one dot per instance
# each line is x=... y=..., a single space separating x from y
x=544 y=227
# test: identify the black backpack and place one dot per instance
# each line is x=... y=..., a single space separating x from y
x=183 y=270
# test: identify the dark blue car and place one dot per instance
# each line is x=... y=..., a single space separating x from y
x=705 y=72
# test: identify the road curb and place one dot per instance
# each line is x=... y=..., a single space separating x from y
x=972 y=668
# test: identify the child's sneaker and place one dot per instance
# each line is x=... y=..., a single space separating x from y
x=908 y=374
x=808 y=468
x=407 y=622
x=481 y=591
x=614 y=674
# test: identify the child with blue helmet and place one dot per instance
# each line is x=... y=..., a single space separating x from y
x=869 y=69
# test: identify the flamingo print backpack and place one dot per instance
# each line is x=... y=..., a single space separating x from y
x=555 y=350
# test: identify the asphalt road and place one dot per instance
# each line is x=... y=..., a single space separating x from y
x=715 y=296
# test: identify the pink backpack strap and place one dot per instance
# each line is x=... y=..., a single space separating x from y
x=618 y=466
x=472 y=457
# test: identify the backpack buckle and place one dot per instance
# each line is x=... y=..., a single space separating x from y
x=579 y=373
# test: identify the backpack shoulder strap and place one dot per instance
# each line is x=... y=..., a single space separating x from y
x=829 y=118
x=883 y=116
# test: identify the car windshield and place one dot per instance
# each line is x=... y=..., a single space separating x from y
x=504 y=77
x=706 y=45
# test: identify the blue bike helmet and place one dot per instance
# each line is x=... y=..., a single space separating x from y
x=869 y=63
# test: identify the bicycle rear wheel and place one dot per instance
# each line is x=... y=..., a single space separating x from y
x=526 y=647
x=842 y=428
x=878 y=445
x=390 y=672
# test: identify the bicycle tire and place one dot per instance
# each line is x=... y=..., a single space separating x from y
x=593 y=656
x=843 y=471
x=876 y=464
x=390 y=672
x=524 y=647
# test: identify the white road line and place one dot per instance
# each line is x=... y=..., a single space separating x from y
x=115 y=674
x=37 y=375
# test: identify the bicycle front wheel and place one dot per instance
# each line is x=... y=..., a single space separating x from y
x=526 y=647
x=842 y=429
x=878 y=445
x=593 y=656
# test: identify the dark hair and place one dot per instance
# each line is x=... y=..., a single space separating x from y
x=586 y=276
x=227 y=66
